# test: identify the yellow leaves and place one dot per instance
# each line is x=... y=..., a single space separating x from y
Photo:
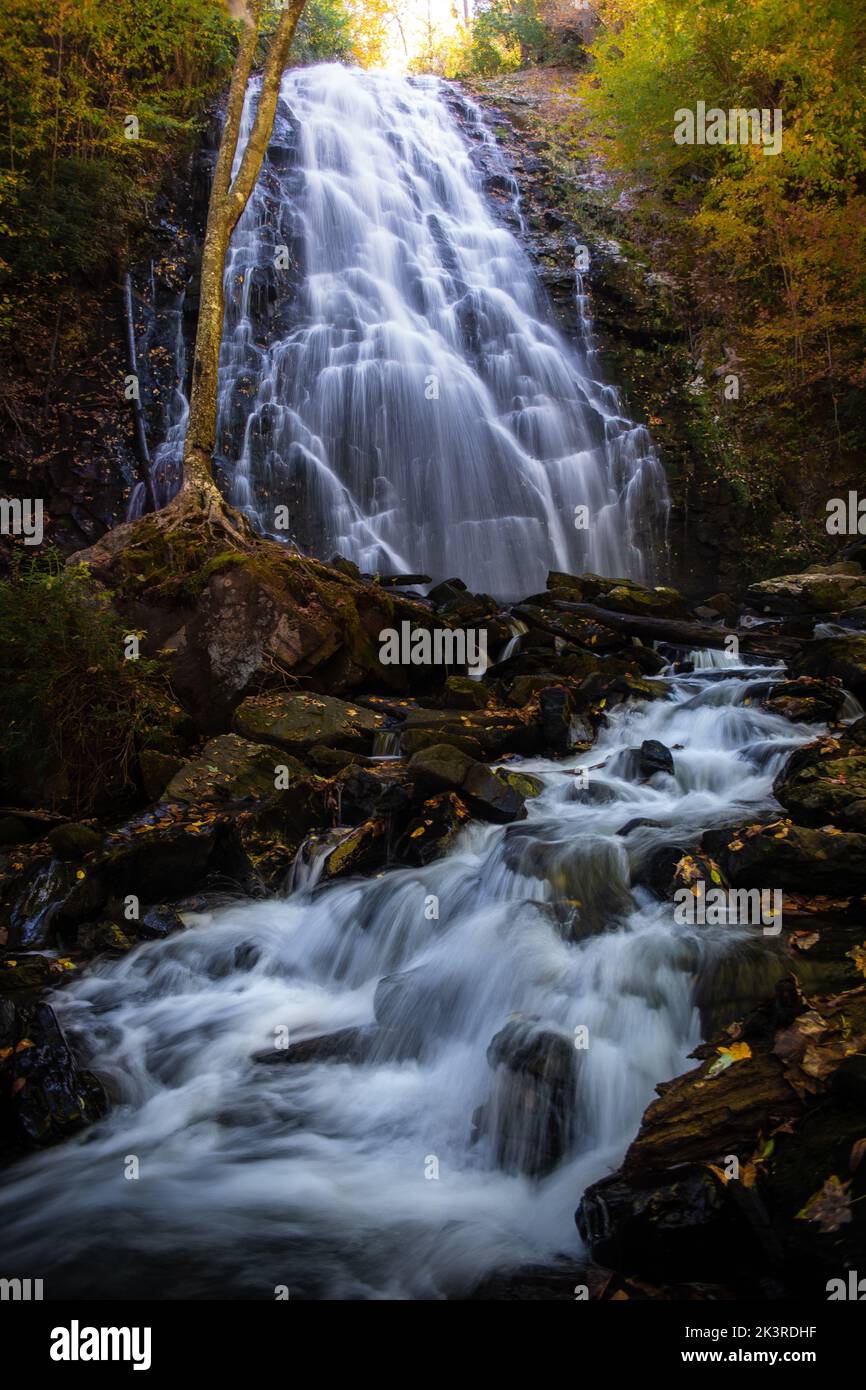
x=79 y=874
x=737 y=1052
x=858 y=955
x=419 y=830
x=735 y=845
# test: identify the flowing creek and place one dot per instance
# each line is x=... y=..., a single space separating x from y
x=366 y=1178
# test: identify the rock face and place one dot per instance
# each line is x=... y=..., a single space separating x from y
x=298 y=721
x=445 y=768
x=825 y=781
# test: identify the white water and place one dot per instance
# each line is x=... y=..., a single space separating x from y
x=313 y=1175
x=401 y=387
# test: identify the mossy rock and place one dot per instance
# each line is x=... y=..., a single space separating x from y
x=230 y=768
x=523 y=783
x=73 y=841
x=98 y=938
x=297 y=721
x=662 y=602
x=843 y=657
x=231 y=611
x=809 y=593
x=461 y=692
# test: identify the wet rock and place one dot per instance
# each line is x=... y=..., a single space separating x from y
x=413 y=1009
x=346 y=1045
x=842 y=657
x=356 y=851
x=445 y=768
x=725 y=1173
x=296 y=721
x=29 y=973
x=529 y=1118
x=672 y=867
x=432 y=831
x=103 y=938
x=792 y=857
x=661 y=601
x=523 y=783
x=654 y=757
x=825 y=781
x=159 y=922
x=806 y=700
x=45 y=1096
x=642 y=764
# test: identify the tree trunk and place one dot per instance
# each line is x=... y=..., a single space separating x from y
x=229 y=197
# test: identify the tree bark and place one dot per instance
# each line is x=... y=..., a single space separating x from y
x=229 y=197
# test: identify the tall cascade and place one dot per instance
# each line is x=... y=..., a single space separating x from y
x=391 y=375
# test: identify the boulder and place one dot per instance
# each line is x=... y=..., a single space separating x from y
x=461 y=692
x=529 y=1118
x=842 y=657
x=806 y=700
x=445 y=768
x=72 y=841
x=557 y=717
x=432 y=831
x=792 y=857
x=231 y=612
x=230 y=768
x=483 y=734
x=815 y=591
x=44 y=1096
x=296 y=721
x=734 y=1174
x=825 y=781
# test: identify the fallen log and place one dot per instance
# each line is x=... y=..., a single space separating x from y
x=401 y=579
x=681 y=633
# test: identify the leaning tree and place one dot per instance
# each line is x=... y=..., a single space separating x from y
x=228 y=198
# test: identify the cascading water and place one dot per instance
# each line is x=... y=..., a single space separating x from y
x=390 y=371
x=407 y=1167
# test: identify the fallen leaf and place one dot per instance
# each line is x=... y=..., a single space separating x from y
x=829 y=1207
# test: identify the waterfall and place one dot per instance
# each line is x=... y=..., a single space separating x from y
x=392 y=383
x=417 y=1155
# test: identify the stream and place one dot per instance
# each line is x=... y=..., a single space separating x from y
x=367 y=1178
